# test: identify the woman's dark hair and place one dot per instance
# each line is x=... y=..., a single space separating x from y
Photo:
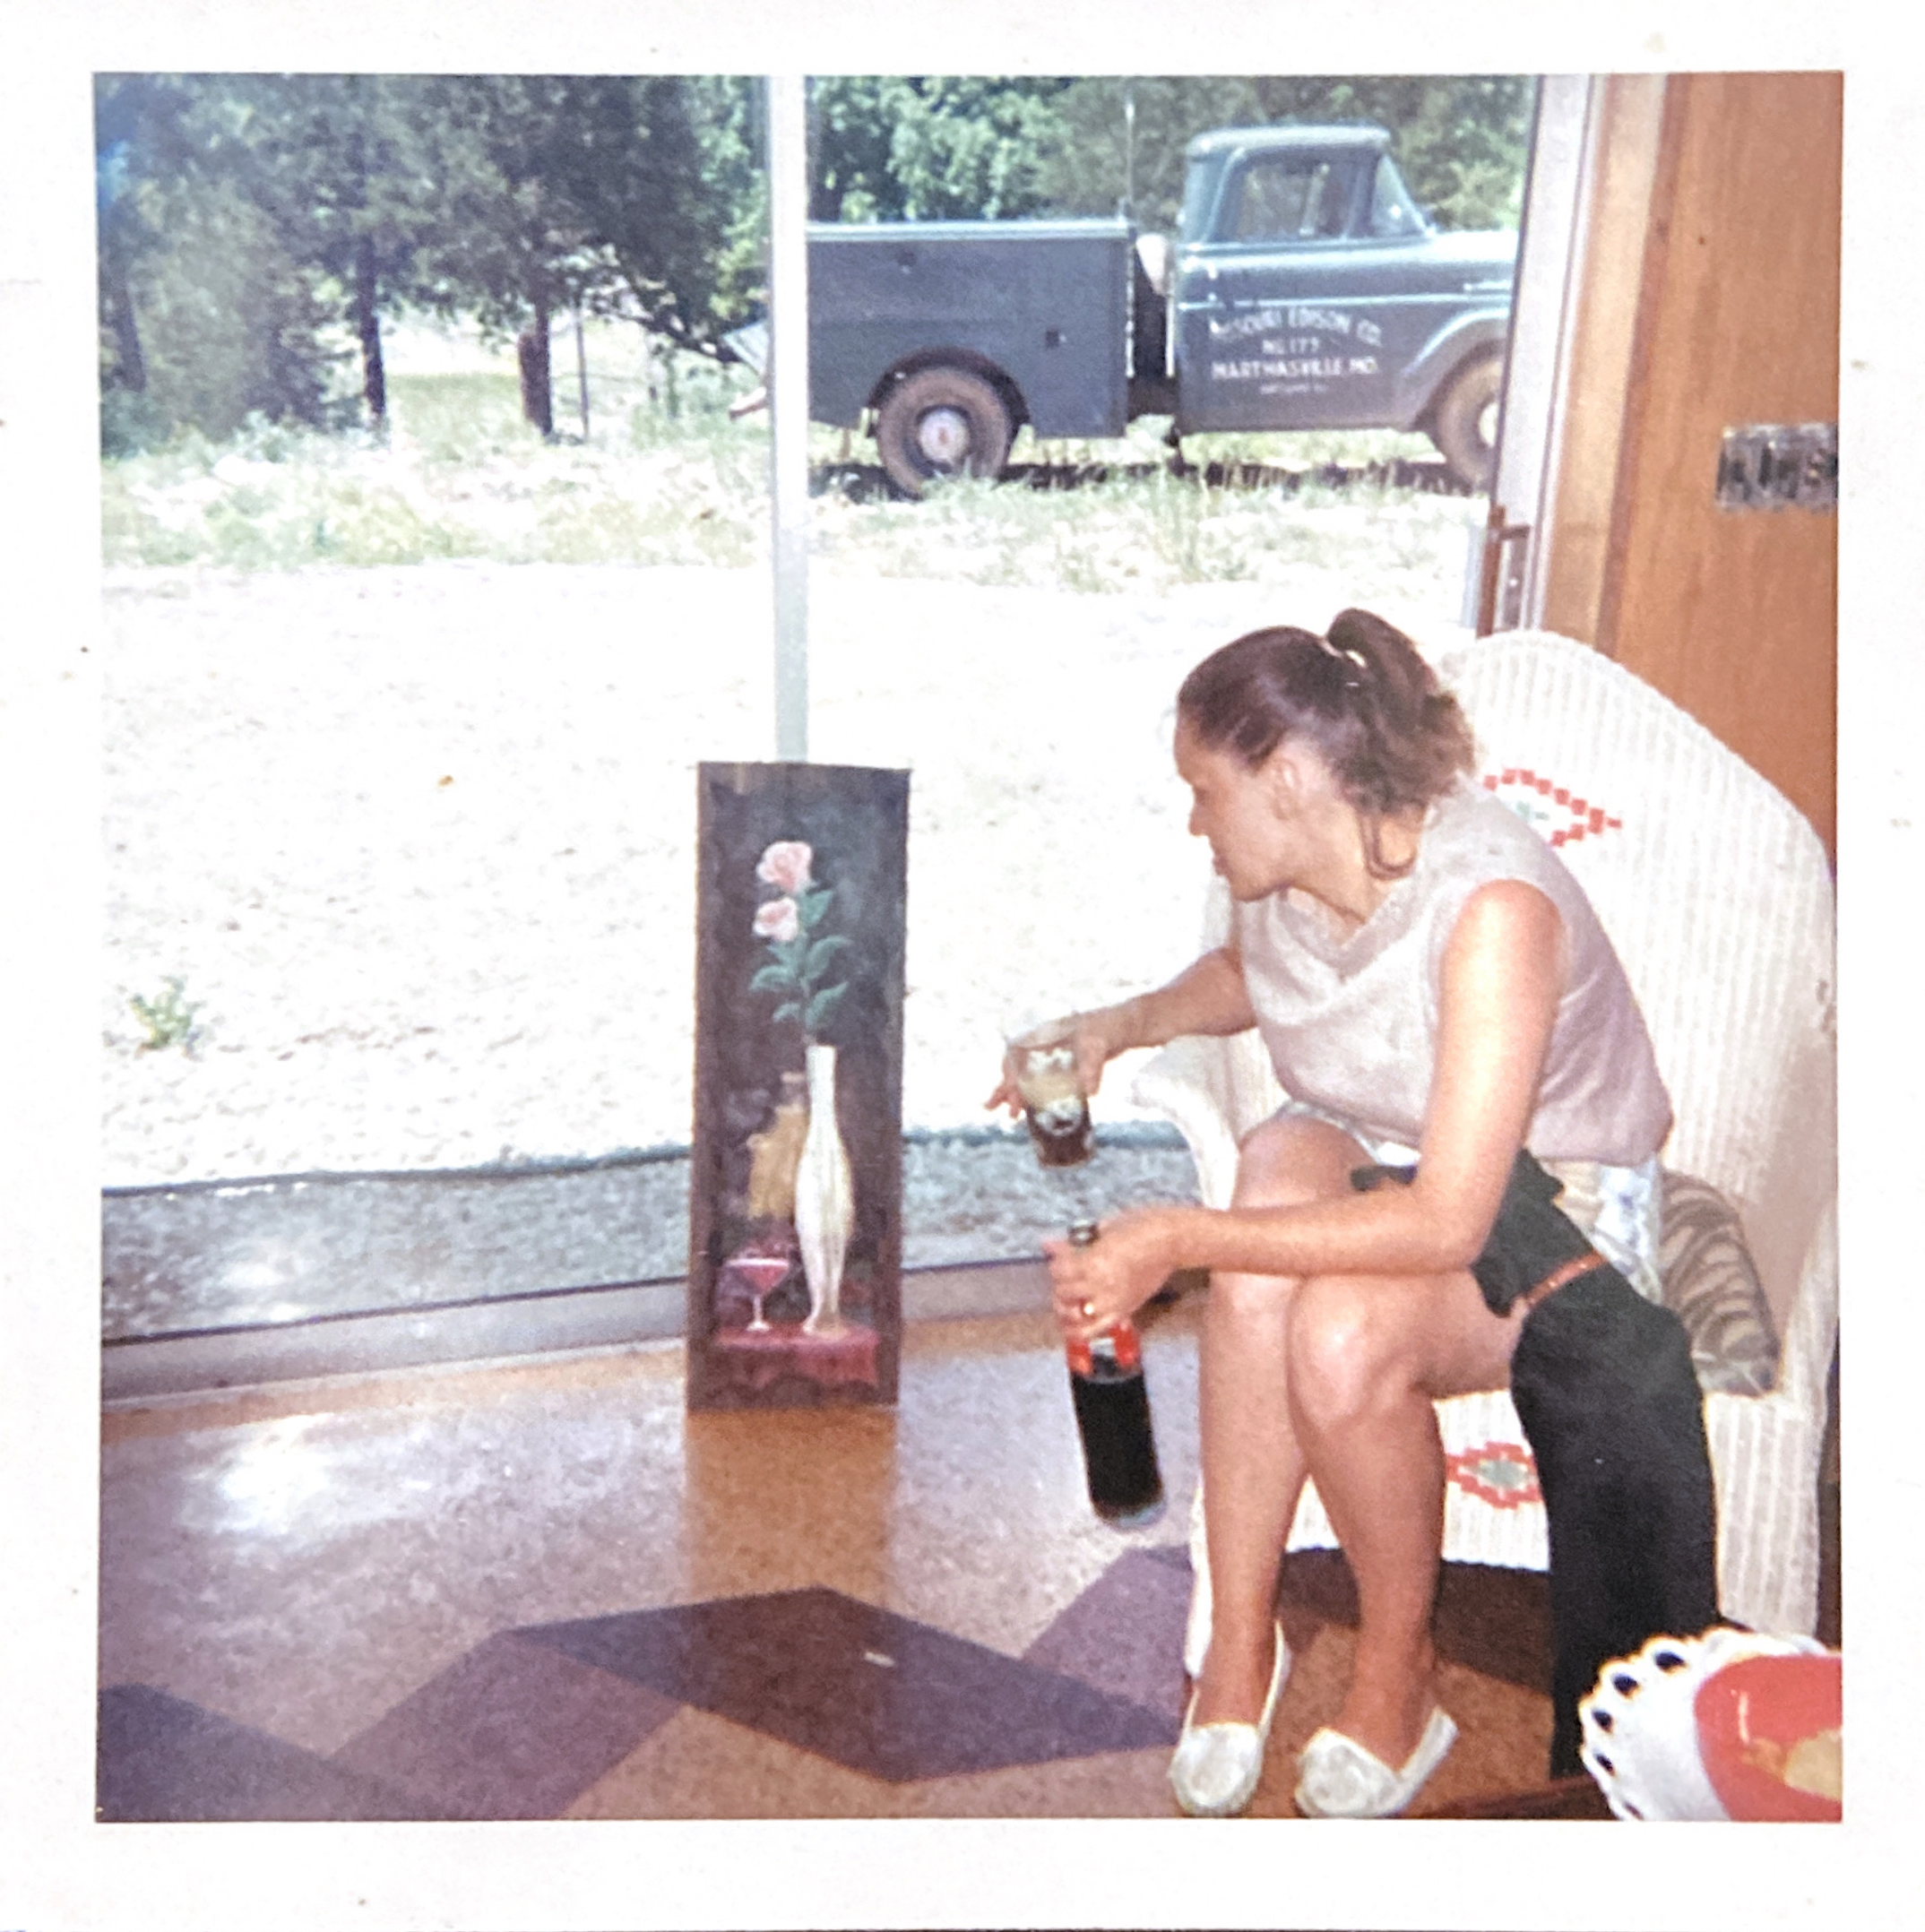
x=1393 y=737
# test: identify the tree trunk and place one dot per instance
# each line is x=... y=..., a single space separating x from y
x=531 y=349
x=368 y=321
x=132 y=370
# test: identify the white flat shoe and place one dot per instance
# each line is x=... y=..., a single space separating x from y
x=1341 y=1779
x=1216 y=1766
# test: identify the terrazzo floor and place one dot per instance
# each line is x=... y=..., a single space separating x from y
x=542 y=1589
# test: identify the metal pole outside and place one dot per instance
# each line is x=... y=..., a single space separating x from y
x=787 y=380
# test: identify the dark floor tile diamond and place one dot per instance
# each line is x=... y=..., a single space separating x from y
x=1124 y=1634
x=162 y=1759
x=513 y=1730
x=879 y=1693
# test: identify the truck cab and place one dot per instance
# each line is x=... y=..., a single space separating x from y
x=1308 y=290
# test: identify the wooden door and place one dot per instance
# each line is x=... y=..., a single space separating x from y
x=1732 y=613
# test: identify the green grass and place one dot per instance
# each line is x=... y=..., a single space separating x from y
x=460 y=476
x=451 y=419
x=665 y=478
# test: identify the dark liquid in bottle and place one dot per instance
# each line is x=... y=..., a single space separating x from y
x=1119 y=1449
x=1060 y=1145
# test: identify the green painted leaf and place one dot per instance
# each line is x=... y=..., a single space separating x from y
x=789 y=1009
x=823 y=951
x=823 y=1004
x=813 y=904
x=772 y=979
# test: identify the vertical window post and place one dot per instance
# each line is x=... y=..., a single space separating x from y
x=787 y=380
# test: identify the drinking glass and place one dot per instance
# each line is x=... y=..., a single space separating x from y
x=1043 y=1064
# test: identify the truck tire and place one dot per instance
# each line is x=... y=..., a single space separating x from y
x=942 y=422
x=1464 y=421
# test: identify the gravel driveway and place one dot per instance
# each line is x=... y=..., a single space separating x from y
x=419 y=842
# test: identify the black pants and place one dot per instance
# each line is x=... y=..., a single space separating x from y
x=1604 y=1387
x=1604 y=1384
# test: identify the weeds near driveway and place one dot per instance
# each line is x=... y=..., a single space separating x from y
x=671 y=479
x=167 y=1019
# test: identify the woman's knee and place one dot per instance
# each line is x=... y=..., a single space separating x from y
x=1348 y=1351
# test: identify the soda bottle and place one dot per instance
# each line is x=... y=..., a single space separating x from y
x=1112 y=1408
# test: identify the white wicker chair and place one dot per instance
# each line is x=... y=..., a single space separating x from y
x=1718 y=897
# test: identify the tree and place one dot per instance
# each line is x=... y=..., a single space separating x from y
x=234 y=319
x=347 y=166
x=1462 y=140
x=930 y=148
x=1124 y=137
x=133 y=115
x=618 y=195
x=509 y=196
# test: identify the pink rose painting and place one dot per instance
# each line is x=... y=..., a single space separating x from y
x=799 y=960
x=778 y=921
x=786 y=865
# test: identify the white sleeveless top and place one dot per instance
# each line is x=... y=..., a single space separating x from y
x=1352 y=1024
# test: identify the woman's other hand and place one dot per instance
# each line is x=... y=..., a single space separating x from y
x=1093 y=1288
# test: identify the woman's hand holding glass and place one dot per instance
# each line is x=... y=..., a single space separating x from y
x=1097 y=1038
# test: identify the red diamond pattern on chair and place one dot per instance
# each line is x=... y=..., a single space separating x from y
x=1549 y=805
x=1501 y=1474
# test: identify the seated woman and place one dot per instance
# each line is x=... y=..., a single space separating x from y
x=1432 y=986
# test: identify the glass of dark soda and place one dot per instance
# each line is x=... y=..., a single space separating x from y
x=1043 y=1064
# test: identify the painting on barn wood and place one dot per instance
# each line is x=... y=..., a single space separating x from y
x=796 y=1181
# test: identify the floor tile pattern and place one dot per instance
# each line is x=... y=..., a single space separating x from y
x=164 y=1760
x=513 y=1730
x=544 y=1590
x=809 y=1702
x=882 y=1694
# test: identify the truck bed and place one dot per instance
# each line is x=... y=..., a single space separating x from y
x=1046 y=302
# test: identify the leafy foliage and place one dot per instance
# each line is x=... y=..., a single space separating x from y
x=207 y=315
x=252 y=227
x=293 y=202
x=930 y=148
x=1462 y=142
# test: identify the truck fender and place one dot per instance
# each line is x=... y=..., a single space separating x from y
x=955 y=358
x=1426 y=375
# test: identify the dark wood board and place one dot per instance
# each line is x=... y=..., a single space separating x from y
x=749 y=1063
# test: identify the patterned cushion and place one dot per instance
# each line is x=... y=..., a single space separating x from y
x=1712 y=1287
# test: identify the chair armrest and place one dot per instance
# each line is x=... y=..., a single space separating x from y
x=1189 y=1082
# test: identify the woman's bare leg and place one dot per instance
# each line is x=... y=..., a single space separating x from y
x=1368 y=1356
x=1253 y=1467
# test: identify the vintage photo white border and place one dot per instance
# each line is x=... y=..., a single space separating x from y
x=60 y=1869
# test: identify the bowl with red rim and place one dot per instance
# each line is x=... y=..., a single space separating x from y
x=1643 y=1741
x=1770 y=1731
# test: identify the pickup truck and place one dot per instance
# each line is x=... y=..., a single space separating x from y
x=1305 y=290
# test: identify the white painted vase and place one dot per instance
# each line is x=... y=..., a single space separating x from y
x=825 y=1200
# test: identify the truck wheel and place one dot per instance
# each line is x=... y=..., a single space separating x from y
x=942 y=422
x=1463 y=424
